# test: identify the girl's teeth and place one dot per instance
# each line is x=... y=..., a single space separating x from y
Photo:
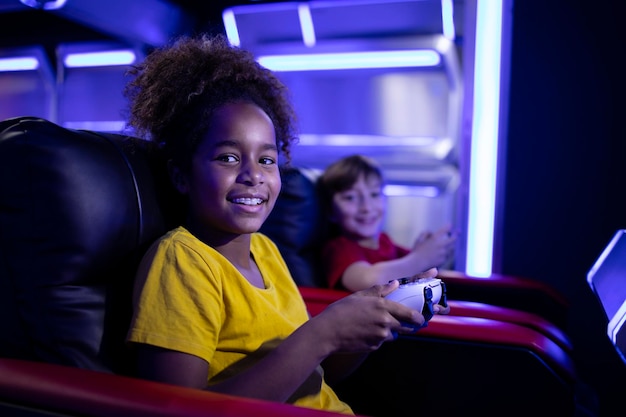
x=248 y=201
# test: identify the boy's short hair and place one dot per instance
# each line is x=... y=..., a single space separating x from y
x=344 y=173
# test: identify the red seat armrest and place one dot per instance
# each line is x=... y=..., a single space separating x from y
x=80 y=392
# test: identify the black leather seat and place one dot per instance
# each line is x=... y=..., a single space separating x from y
x=77 y=210
x=298 y=228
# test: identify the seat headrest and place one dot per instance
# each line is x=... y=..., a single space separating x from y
x=297 y=226
x=77 y=209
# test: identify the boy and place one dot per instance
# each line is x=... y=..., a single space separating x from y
x=360 y=254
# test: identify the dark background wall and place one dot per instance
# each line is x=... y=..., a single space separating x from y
x=565 y=189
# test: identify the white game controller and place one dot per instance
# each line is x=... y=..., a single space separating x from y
x=420 y=294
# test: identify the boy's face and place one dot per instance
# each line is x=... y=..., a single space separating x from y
x=359 y=211
x=234 y=179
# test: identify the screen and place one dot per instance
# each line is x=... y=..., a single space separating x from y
x=607 y=278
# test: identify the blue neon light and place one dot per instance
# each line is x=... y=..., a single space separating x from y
x=306 y=25
x=47 y=5
x=230 y=27
x=484 y=146
x=100 y=59
x=396 y=190
x=23 y=63
x=447 y=19
x=351 y=60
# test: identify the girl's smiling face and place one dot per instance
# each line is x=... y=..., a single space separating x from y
x=233 y=180
x=359 y=211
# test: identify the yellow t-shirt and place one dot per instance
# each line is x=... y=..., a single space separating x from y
x=191 y=299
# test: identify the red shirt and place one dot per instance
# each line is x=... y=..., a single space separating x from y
x=339 y=253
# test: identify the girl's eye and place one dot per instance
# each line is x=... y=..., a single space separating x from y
x=267 y=161
x=375 y=194
x=227 y=158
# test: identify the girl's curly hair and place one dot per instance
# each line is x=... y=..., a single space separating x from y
x=176 y=89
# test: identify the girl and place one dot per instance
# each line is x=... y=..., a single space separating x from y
x=215 y=306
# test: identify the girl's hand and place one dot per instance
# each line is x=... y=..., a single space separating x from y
x=364 y=320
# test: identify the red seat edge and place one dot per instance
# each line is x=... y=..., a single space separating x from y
x=485 y=329
x=62 y=389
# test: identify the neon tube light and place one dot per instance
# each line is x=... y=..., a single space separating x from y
x=351 y=60
x=100 y=59
x=24 y=63
x=46 y=5
x=306 y=25
x=484 y=145
x=395 y=190
x=447 y=19
x=230 y=27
